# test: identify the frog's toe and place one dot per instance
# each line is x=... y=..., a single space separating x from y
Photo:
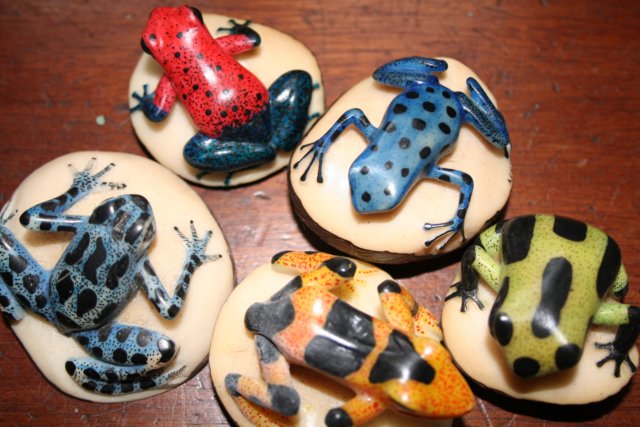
x=618 y=357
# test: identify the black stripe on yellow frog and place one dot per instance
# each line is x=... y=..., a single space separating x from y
x=553 y=277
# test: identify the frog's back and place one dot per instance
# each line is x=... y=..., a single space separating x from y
x=556 y=273
x=419 y=127
x=88 y=287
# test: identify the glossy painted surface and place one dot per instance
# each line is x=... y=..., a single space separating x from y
x=552 y=275
x=241 y=123
x=95 y=278
x=398 y=366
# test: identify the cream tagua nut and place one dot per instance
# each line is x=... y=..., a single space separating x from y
x=91 y=341
x=234 y=357
x=277 y=54
x=322 y=191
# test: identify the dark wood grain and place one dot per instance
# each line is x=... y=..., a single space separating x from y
x=566 y=75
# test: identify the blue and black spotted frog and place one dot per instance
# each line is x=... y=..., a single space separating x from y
x=553 y=277
x=104 y=265
x=419 y=128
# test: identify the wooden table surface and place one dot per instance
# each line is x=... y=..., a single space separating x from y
x=566 y=75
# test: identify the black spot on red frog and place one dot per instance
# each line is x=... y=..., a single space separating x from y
x=241 y=123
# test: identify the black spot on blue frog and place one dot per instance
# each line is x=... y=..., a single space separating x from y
x=419 y=128
x=98 y=273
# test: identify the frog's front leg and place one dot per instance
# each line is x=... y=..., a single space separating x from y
x=23 y=282
x=403 y=312
x=475 y=261
x=170 y=306
x=274 y=393
x=49 y=215
x=156 y=105
x=126 y=359
x=317 y=269
x=241 y=38
x=456 y=223
x=319 y=148
x=482 y=114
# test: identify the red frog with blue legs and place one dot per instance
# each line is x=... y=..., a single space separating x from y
x=241 y=123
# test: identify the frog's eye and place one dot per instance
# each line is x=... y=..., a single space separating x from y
x=197 y=13
x=145 y=48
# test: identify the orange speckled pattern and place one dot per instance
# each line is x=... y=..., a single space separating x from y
x=300 y=262
x=390 y=365
x=260 y=416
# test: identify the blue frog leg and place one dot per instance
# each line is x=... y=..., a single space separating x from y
x=168 y=306
x=127 y=359
x=404 y=72
x=49 y=215
x=354 y=116
x=456 y=223
x=480 y=112
x=289 y=97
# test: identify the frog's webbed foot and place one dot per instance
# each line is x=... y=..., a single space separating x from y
x=454 y=227
x=127 y=359
x=616 y=356
x=622 y=343
x=456 y=224
x=465 y=293
x=318 y=150
x=169 y=306
x=8 y=217
x=85 y=182
x=145 y=104
x=274 y=392
x=196 y=247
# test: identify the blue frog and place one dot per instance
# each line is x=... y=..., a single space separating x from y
x=420 y=127
x=94 y=279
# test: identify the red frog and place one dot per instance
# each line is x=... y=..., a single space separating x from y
x=241 y=123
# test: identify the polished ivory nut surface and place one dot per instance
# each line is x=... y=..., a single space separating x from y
x=174 y=205
x=278 y=53
x=233 y=349
x=398 y=235
x=466 y=335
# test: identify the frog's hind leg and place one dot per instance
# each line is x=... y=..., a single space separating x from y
x=289 y=99
x=225 y=155
x=274 y=393
x=23 y=282
x=125 y=359
x=456 y=224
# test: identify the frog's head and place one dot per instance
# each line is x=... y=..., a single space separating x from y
x=532 y=343
x=421 y=380
x=377 y=183
x=130 y=220
x=171 y=28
